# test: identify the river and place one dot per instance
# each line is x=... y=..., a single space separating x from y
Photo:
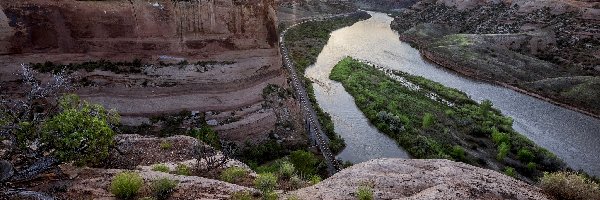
x=572 y=136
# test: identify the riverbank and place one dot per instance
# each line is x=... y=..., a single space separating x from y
x=304 y=43
x=540 y=51
x=433 y=121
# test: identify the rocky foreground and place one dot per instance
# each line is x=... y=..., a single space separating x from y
x=421 y=179
x=388 y=178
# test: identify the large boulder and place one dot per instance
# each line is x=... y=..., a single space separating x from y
x=420 y=179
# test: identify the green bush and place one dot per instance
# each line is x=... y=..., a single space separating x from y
x=525 y=155
x=364 y=193
x=568 y=185
x=270 y=196
x=81 y=132
x=457 y=153
x=531 y=166
x=304 y=161
x=207 y=135
x=126 y=185
x=286 y=169
x=499 y=137
x=233 y=174
x=182 y=169
x=314 y=179
x=296 y=182
x=503 y=151
x=161 y=168
x=509 y=171
x=265 y=182
x=428 y=120
x=163 y=188
x=241 y=195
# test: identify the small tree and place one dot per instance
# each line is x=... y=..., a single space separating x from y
x=304 y=161
x=81 y=132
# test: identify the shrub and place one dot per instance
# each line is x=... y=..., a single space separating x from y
x=296 y=182
x=166 y=145
x=314 y=179
x=266 y=182
x=525 y=155
x=503 y=150
x=286 y=169
x=81 y=132
x=126 y=185
x=499 y=137
x=531 y=166
x=207 y=135
x=304 y=161
x=364 y=193
x=568 y=185
x=163 y=188
x=509 y=171
x=161 y=168
x=233 y=174
x=270 y=196
x=457 y=153
x=182 y=169
x=428 y=120
x=241 y=195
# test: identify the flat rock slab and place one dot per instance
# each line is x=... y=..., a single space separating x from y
x=420 y=179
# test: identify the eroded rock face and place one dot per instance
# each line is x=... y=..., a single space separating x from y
x=420 y=179
x=163 y=26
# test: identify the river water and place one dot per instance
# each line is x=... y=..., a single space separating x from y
x=572 y=136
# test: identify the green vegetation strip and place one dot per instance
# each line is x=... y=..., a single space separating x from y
x=304 y=43
x=457 y=128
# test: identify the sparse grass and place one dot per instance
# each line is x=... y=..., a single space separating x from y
x=568 y=185
x=182 y=169
x=166 y=145
x=126 y=185
x=161 y=168
x=163 y=188
x=242 y=195
x=233 y=174
x=364 y=193
x=314 y=180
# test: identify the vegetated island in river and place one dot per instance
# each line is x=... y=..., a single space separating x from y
x=433 y=121
x=304 y=43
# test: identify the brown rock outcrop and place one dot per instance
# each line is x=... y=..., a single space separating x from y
x=420 y=179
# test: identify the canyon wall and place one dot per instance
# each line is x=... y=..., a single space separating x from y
x=227 y=49
x=162 y=26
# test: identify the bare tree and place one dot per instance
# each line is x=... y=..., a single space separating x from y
x=209 y=159
x=32 y=109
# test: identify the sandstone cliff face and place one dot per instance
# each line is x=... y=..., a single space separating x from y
x=420 y=179
x=163 y=26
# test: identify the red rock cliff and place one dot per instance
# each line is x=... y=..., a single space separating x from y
x=161 y=26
